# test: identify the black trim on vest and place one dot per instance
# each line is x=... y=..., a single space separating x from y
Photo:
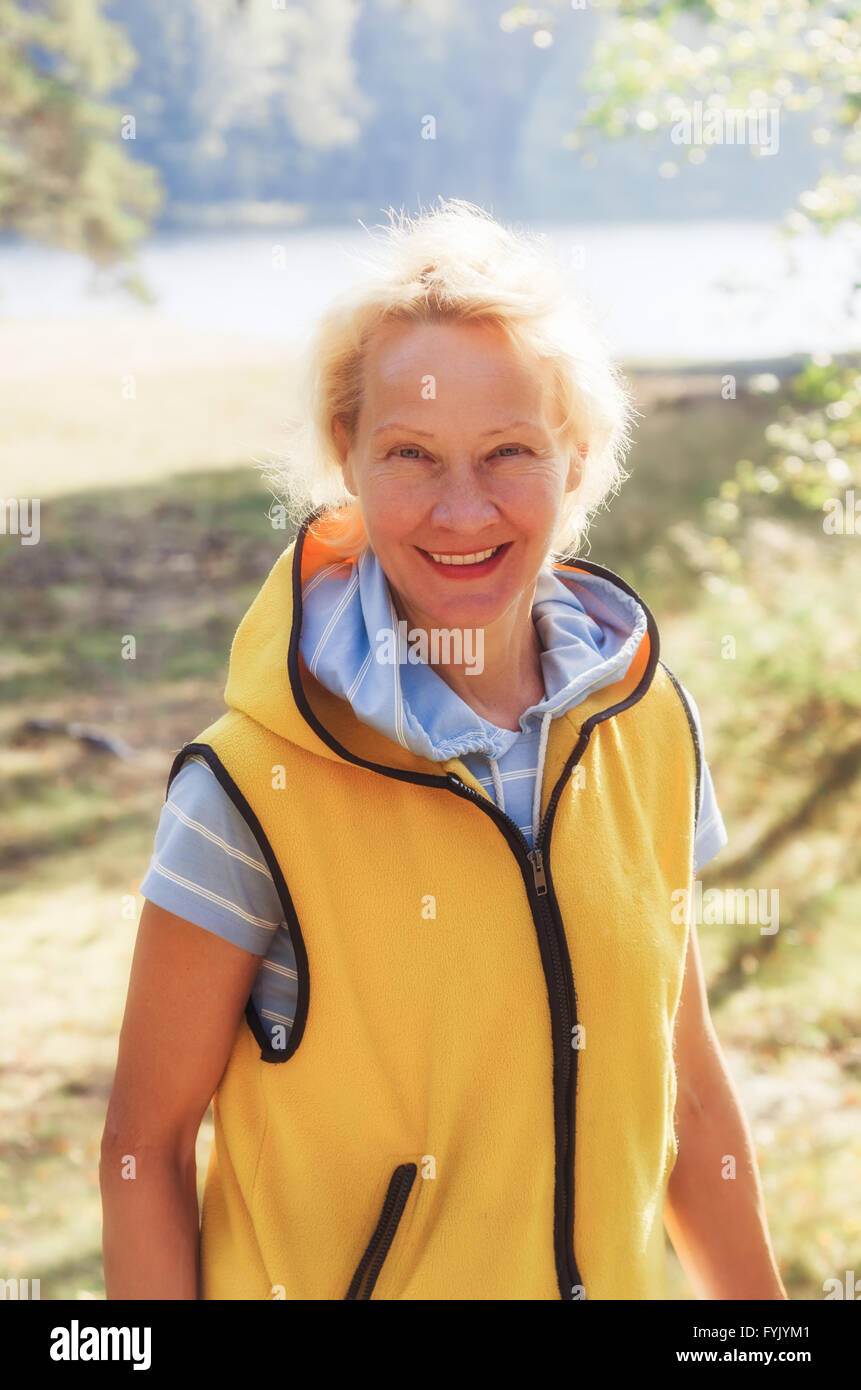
x=364 y=1280
x=543 y=904
x=252 y=1018
x=694 y=735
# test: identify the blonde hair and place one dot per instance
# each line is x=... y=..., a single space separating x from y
x=456 y=263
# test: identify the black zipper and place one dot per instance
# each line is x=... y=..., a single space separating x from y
x=368 y=1270
x=563 y=1005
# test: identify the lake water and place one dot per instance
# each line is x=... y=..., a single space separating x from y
x=674 y=293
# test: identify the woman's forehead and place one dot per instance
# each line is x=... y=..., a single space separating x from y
x=421 y=360
x=408 y=337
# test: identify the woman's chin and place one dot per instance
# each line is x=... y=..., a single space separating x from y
x=480 y=612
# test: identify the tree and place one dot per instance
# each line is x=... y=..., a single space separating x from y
x=212 y=75
x=657 y=67
x=66 y=176
x=237 y=102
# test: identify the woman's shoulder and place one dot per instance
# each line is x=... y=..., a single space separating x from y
x=207 y=865
x=198 y=804
x=196 y=782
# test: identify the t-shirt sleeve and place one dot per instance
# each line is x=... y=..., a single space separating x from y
x=711 y=835
x=207 y=866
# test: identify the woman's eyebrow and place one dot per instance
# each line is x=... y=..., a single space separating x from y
x=428 y=434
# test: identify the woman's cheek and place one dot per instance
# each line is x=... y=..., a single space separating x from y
x=393 y=513
x=534 y=494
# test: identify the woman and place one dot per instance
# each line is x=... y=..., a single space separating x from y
x=413 y=917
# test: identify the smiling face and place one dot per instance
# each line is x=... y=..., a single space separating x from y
x=458 y=476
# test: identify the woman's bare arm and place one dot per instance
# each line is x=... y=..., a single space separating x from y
x=714 y=1212
x=187 y=991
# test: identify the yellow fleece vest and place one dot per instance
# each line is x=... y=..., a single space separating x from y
x=476 y=1100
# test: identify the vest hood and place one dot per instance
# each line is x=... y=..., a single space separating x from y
x=589 y=632
x=336 y=701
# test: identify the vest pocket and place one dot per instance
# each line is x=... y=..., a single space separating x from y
x=368 y=1270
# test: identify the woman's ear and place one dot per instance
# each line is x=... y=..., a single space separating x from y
x=575 y=469
x=341 y=436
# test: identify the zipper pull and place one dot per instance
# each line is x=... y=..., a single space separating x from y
x=536 y=859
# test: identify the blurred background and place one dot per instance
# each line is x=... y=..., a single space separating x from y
x=183 y=185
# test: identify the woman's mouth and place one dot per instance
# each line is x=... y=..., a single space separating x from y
x=465 y=564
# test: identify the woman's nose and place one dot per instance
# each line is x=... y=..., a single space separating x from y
x=464 y=504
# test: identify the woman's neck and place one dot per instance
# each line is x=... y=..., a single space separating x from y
x=509 y=677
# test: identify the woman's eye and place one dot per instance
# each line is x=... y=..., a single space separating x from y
x=412 y=451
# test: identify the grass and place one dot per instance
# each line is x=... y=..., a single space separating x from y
x=174 y=562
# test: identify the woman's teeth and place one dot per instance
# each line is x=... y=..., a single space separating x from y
x=474 y=559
